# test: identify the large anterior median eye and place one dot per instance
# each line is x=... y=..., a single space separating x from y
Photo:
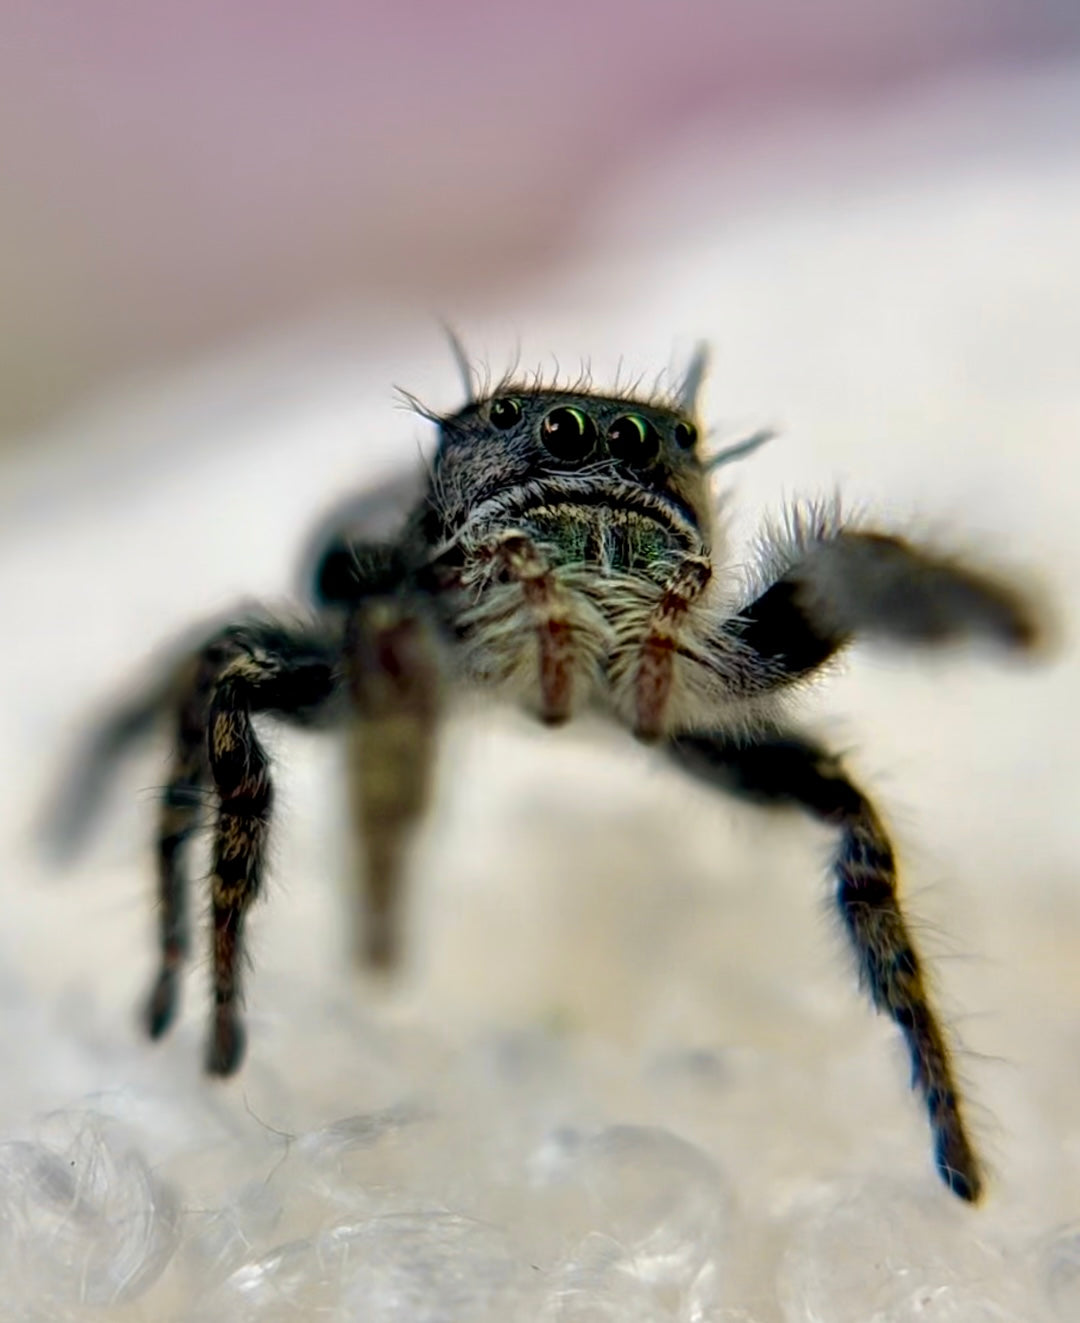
x=634 y=440
x=568 y=433
x=504 y=413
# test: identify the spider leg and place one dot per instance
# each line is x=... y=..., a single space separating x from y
x=518 y=560
x=180 y=817
x=838 y=583
x=392 y=678
x=147 y=705
x=247 y=670
x=359 y=541
x=78 y=800
x=790 y=770
x=392 y=674
x=656 y=659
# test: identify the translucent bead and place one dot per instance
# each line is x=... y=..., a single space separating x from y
x=83 y=1220
x=882 y=1255
x=598 y=1284
x=657 y=1197
x=427 y=1267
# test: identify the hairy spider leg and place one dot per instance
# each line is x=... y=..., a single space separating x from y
x=839 y=582
x=518 y=560
x=179 y=818
x=792 y=770
x=656 y=662
x=78 y=801
x=292 y=679
x=835 y=584
x=392 y=672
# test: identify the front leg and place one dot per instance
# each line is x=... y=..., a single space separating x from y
x=522 y=618
x=791 y=770
x=831 y=584
x=517 y=559
x=655 y=671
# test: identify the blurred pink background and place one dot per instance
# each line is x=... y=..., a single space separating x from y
x=177 y=176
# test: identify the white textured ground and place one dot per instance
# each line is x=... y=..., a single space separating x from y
x=627 y=1075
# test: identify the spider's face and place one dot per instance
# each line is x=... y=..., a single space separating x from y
x=590 y=458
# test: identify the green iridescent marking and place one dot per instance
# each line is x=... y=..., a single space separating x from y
x=646 y=544
x=566 y=530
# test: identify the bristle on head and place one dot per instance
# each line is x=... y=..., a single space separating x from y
x=740 y=449
x=693 y=377
x=464 y=367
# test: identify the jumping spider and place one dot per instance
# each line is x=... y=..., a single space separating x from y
x=562 y=553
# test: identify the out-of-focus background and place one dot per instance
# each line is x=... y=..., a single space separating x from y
x=626 y=1075
x=182 y=178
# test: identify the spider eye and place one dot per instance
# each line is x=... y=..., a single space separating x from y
x=568 y=433
x=634 y=440
x=685 y=436
x=504 y=413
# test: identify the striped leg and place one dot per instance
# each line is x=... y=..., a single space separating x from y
x=519 y=561
x=794 y=771
x=655 y=669
x=292 y=678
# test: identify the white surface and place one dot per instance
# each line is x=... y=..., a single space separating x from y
x=627 y=1074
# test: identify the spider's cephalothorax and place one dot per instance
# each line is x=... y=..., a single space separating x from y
x=560 y=552
x=568 y=534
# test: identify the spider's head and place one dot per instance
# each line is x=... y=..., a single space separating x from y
x=521 y=448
